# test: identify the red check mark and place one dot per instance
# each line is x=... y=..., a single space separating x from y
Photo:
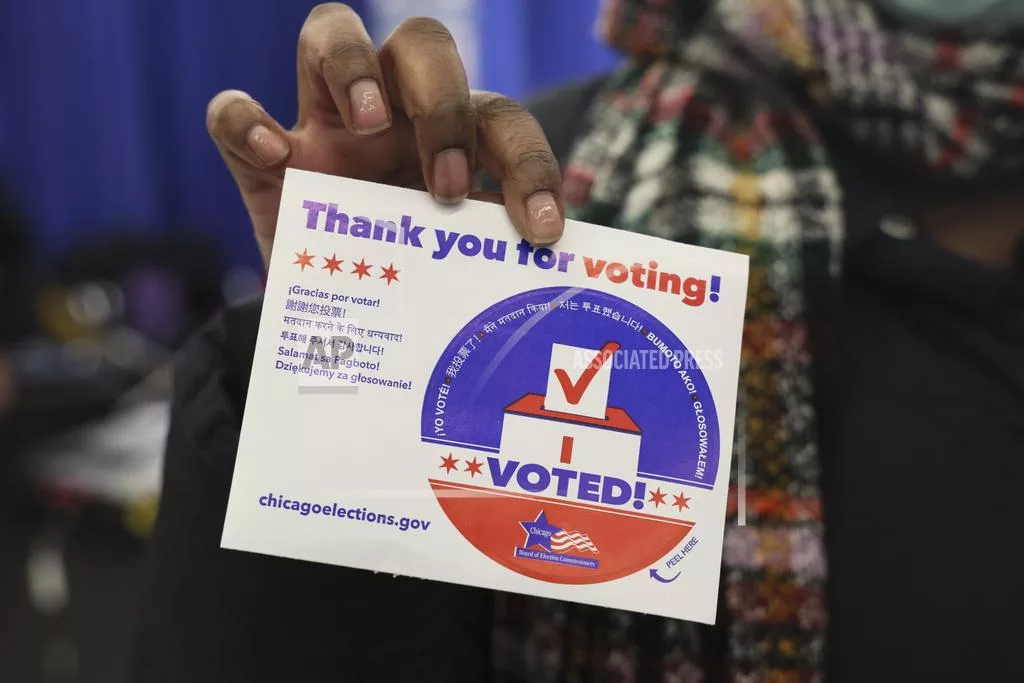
x=574 y=391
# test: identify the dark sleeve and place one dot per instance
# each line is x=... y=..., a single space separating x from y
x=217 y=615
x=562 y=113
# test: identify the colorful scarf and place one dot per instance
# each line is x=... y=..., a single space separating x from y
x=706 y=137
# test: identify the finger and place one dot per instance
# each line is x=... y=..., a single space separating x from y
x=488 y=196
x=424 y=75
x=339 y=72
x=515 y=151
x=248 y=135
x=255 y=149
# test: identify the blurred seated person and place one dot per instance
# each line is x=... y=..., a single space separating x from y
x=868 y=155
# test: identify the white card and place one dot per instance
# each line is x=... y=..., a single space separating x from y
x=431 y=396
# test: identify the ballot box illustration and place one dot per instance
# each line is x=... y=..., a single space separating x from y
x=571 y=425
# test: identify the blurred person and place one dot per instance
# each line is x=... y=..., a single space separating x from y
x=868 y=155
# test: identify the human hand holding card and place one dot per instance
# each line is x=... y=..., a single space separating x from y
x=433 y=396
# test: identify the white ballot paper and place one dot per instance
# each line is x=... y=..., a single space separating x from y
x=432 y=396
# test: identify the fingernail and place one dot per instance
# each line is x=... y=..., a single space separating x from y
x=267 y=145
x=369 y=115
x=451 y=175
x=544 y=219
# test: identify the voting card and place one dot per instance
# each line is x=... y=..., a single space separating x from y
x=433 y=396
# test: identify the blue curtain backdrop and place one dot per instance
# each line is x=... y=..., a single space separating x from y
x=102 y=102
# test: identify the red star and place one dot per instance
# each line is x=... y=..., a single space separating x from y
x=473 y=467
x=304 y=259
x=448 y=464
x=362 y=269
x=333 y=264
x=657 y=497
x=390 y=274
x=681 y=502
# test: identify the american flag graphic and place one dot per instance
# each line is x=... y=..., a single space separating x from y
x=564 y=540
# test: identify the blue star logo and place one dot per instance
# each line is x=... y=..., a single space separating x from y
x=539 y=532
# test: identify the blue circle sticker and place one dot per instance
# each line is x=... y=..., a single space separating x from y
x=574 y=423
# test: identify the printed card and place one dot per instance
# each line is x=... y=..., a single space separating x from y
x=432 y=396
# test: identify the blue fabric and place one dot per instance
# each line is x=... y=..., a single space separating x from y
x=531 y=45
x=102 y=103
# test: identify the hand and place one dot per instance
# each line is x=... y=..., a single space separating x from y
x=403 y=115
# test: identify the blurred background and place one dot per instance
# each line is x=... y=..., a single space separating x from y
x=120 y=233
